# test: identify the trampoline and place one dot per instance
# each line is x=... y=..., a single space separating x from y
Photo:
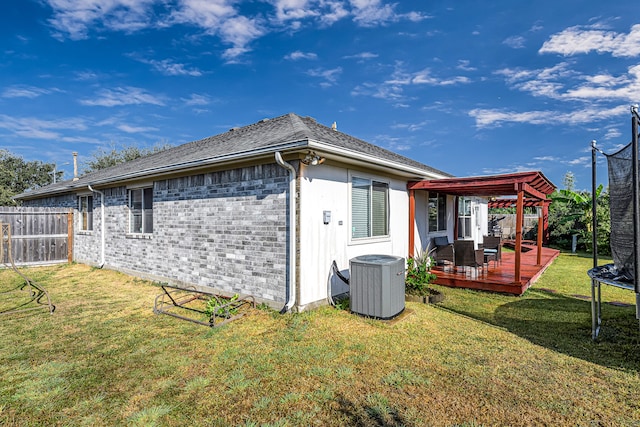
x=624 y=209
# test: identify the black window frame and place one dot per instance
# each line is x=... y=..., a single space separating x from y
x=437 y=212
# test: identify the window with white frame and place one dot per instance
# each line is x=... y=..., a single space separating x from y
x=141 y=210
x=369 y=208
x=437 y=211
x=464 y=218
x=85 y=207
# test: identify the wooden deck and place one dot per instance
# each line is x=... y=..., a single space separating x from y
x=500 y=277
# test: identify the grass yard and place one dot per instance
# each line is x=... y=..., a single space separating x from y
x=104 y=358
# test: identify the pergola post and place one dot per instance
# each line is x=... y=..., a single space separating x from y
x=519 y=220
x=540 y=210
x=412 y=222
x=545 y=222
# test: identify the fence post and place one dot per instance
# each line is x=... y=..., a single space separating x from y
x=70 y=236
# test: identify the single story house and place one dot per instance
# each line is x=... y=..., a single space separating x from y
x=261 y=210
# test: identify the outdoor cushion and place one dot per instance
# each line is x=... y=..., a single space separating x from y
x=441 y=241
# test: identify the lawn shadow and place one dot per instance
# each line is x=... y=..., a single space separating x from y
x=563 y=323
x=376 y=412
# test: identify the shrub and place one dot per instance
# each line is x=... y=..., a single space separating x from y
x=419 y=275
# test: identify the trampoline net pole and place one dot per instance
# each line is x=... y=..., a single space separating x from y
x=636 y=206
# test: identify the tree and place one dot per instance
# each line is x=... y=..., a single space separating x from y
x=18 y=175
x=571 y=213
x=105 y=158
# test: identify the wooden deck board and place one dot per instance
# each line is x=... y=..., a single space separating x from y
x=500 y=277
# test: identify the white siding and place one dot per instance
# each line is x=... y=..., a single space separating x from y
x=327 y=188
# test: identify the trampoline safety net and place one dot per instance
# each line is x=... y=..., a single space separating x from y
x=621 y=211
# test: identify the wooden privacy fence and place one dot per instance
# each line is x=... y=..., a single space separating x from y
x=39 y=235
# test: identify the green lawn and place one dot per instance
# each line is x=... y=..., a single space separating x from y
x=104 y=358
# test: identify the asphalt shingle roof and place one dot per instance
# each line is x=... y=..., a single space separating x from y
x=289 y=129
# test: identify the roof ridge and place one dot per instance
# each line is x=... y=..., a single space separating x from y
x=298 y=125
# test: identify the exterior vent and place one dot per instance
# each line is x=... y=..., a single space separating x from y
x=377 y=285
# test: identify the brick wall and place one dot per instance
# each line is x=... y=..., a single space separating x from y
x=225 y=230
x=63 y=201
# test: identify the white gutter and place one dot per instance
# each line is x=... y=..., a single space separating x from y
x=102 y=231
x=291 y=299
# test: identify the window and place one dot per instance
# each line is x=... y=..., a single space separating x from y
x=369 y=208
x=85 y=206
x=141 y=210
x=464 y=218
x=437 y=212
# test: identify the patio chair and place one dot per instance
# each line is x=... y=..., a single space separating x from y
x=492 y=247
x=443 y=250
x=465 y=255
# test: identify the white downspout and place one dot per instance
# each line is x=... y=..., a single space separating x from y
x=102 y=231
x=291 y=299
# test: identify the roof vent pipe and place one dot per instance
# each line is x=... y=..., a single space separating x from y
x=334 y=126
x=291 y=298
x=75 y=165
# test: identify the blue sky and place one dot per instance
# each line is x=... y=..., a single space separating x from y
x=469 y=87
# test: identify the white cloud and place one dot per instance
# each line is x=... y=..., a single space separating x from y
x=403 y=78
x=394 y=87
x=363 y=55
x=507 y=169
x=582 y=40
x=135 y=129
x=74 y=18
x=411 y=127
x=86 y=75
x=370 y=13
x=77 y=19
x=365 y=13
x=170 y=68
x=392 y=143
x=579 y=161
x=330 y=76
x=288 y=10
x=546 y=159
x=612 y=133
x=196 y=99
x=336 y=11
x=122 y=96
x=561 y=82
x=465 y=65
x=605 y=87
x=239 y=31
x=204 y=14
x=24 y=91
x=219 y=17
x=29 y=127
x=297 y=55
x=387 y=92
x=494 y=117
x=515 y=42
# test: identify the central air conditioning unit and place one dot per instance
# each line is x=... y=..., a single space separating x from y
x=377 y=285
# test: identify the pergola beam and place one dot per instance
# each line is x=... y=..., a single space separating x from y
x=531 y=189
